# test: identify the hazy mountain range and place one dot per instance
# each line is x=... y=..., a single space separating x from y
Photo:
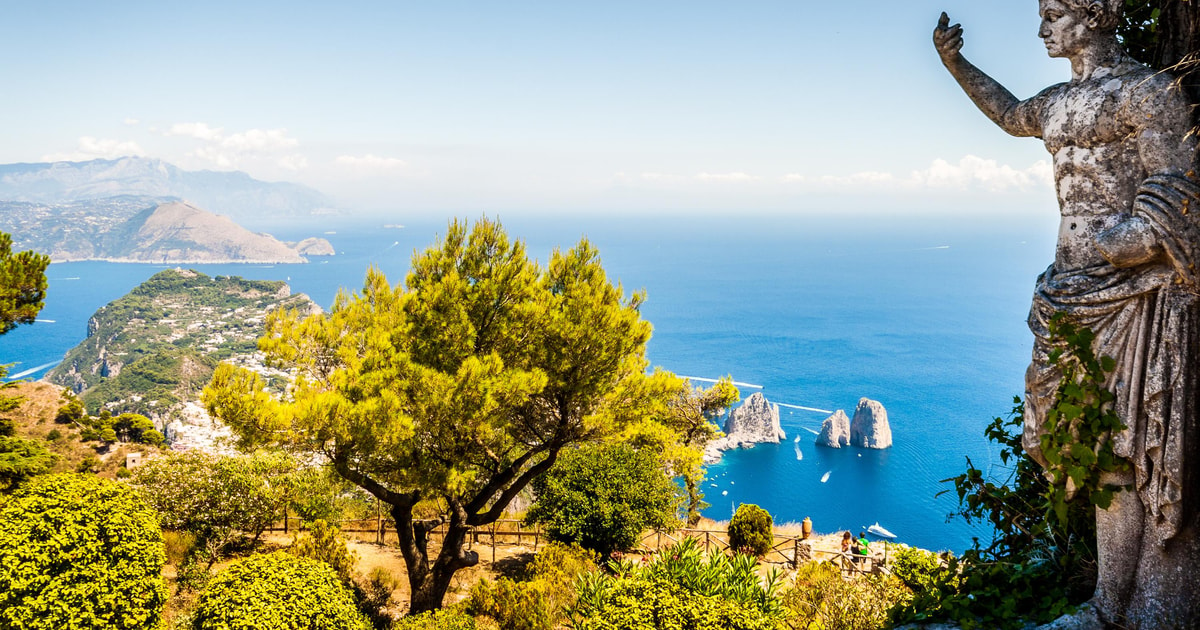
x=233 y=193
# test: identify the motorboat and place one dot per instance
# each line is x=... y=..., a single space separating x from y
x=878 y=530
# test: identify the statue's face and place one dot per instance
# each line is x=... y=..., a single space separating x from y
x=1064 y=31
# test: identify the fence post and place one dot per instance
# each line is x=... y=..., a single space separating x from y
x=795 y=553
x=493 y=543
x=285 y=519
x=706 y=541
x=378 y=522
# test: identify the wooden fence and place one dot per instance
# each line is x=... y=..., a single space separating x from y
x=785 y=550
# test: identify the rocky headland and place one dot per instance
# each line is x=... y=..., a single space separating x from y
x=868 y=429
x=140 y=229
x=153 y=350
x=755 y=422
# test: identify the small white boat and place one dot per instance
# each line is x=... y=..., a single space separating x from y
x=878 y=530
x=825 y=477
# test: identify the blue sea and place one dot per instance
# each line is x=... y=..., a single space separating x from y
x=926 y=315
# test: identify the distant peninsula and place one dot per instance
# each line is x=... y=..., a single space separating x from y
x=174 y=232
x=153 y=350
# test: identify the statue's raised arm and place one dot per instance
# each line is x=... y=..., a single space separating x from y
x=993 y=99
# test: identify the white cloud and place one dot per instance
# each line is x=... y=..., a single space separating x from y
x=91 y=148
x=970 y=173
x=371 y=162
x=232 y=150
x=198 y=130
x=737 y=177
x=259 y=141
x=293 y=162
x=132 y=122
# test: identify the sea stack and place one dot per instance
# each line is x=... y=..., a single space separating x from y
x=870 y=428
x=755 y=422
x=835 y=431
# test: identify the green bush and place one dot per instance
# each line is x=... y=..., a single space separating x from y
x=680 y=588
x=603 y=497
x=750 y=530
x=79 y=552
x=444 y=619
x=22 y=459
x=540 y=601
x=324 y=542
x=822 y=598
x=278 y=591
x=639 y=603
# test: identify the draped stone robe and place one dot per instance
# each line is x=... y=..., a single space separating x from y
x=1147 y=318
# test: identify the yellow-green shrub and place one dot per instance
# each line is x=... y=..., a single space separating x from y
x=79 y=552
x=279 y=591
x=444 y=619
x=539 y=601
x=821 y=598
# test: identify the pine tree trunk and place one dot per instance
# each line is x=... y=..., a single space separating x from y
x=428 y=583
x=1178 y=45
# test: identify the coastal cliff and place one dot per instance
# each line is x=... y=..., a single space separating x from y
x=153 y=350
x=755 y=422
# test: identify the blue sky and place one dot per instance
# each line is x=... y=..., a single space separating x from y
x=541 y=106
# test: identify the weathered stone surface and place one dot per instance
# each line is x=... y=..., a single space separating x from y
x=755 y=422
x=835 y=431
x=1126 y=267
x=870 y=428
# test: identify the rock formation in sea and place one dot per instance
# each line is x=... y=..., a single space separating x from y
x=835 y=431
x=755 y=422
x=870 y=428
x=314 y=246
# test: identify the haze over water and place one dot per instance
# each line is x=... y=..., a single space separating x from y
x=927 y=316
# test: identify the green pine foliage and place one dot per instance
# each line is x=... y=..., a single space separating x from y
x=278 y=591
x=603 y=497
x=751 y=530
x=458 y=386
x=22 y=285
x=79 y=553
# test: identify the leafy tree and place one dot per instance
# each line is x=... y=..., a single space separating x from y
x=79 y=552
x=750 y=530
x=278 y=591
x=463 y=385
x=680 y=430
x=220 y=500
x=22 y=285
x=603 y=497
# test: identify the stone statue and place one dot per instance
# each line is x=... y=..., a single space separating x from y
x=1125 y=266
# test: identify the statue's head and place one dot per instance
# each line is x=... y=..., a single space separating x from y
x=1068 y=26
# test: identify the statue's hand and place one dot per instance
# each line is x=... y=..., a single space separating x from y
x=947 y=39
